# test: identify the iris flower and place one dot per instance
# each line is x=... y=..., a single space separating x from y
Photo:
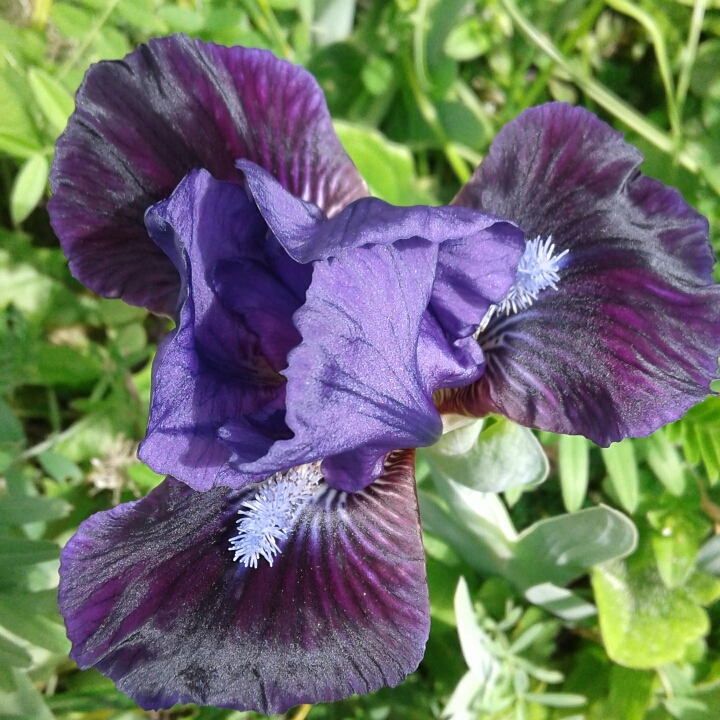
x=280 y=562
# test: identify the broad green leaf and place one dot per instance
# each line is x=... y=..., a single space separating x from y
x=630 y=693
x=574 y=470
x=473 y=640
x=21 y=510
x=556 y=550
x=644 y=623
x=486 y=549
x=55 y=102
x=560 y=549
x=460 y=433
x=506 y=455
x=28 y=187
x=388 y=168
x=623 y=473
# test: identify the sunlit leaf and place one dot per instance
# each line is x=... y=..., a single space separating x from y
x=574 y=470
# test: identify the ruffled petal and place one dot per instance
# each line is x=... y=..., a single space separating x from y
x=630 y=339
x=153 y=599
x=174 y=105
x=354 y=389
x=221 y=363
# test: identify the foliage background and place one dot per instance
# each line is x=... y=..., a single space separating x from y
x=418 y=89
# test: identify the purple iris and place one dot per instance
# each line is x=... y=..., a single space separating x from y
x=612 y=327
x=280 y=562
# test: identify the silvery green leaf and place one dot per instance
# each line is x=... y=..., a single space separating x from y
x=460 y=433
x=460 y=702
x=558 y=700
x=560 y=549
x=560 y=601
x=478 y=511
x=333 y=20
x=708 y=558
x=488 y=555
x=474 y=642
x=506 y=455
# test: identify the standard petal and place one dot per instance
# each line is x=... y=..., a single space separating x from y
x=153 y=599
x=174 y=105
x=354 y=389
x=221 y=364
x=307 y=235
x=630 y=339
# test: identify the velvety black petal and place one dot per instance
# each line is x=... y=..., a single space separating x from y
x=174 y=105
x=153 y=599
x=630 y=339
x=221 y=365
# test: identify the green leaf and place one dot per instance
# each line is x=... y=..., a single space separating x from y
x=474 y=641
x=55 y=102
x=25 y=701
x=388 y=168
x=506 y=455
x=28 y=187
x=18 y=135
x=560 y=601
x=59 y=468
x=708 y=557
x=13 y=654
x=558 y=700
x=561 y=549
x=574 y=470
x=699 y=431
x=21 y=510
x=664 y=460
x=644 y=623
x=35 y=629
x=705 y=80
x=623 y=473
x=467 y=40
x=20 y=552
x=556 y=550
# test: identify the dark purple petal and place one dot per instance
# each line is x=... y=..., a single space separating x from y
x=630 y=339
x=152 y=598
x=354 y=389
x=174 y=105
x=221 y=364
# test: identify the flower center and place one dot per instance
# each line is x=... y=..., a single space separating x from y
x=270 y=513
x=538 y=270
